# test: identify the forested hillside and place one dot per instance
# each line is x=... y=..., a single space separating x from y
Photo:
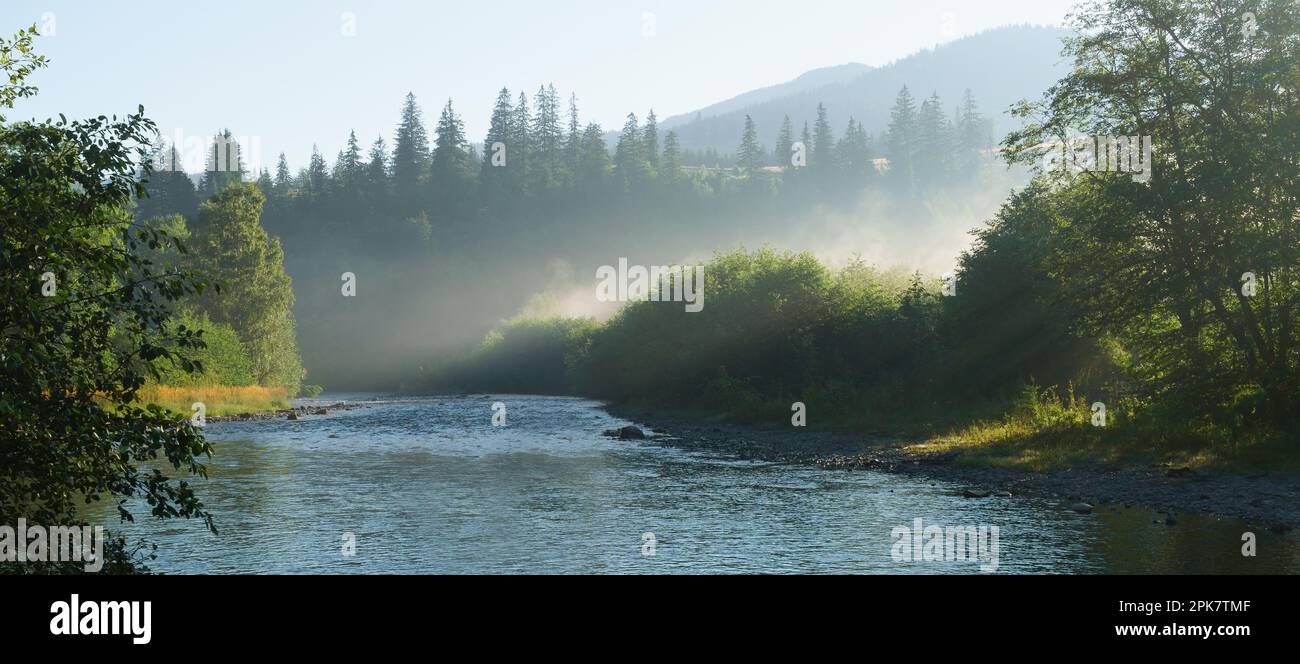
x=445 y=241
x=1003 y=65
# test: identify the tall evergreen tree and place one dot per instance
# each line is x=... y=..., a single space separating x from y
x=630 y=165
x=548 y=139
x=376 y=175
x=973 y=137
x=784 y=144
x=494 y=178
x=749 y=156
x=901 y=140
x=283 y=178
x=520 y=146
x=594 y=165
x=853 y=154
x=169 y=189
x=224 y=164
x=349 y=164
x=450 y=173
x=573 y=142
x=317 y=175
x=650 y=141
x=822 y=159
x=933 y=143
x=410 y=154
x=670 y=169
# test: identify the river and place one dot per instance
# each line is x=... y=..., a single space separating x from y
x=429 y=485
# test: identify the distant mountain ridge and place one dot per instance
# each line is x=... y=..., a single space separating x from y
x=1000 y=66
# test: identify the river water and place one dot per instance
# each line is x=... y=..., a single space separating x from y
x=429 y=485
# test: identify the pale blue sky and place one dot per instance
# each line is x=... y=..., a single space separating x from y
x=284 y=71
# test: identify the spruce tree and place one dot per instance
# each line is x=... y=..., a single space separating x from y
x=629 y=158
x=410 y=155
x=650 y=141
x=520 y=146
x=283 y=178
x=450 y=172
x=349 y=164
x=317 y=175
x=784 y=144
x=494 y=178
x=224 y=164
x=901 y=141
x=670 y=168
x=822 y=159
x=573 y=143
x=376 y=174
x=972 y=137
x=749 y=155
x=933 y=143
x=594 y=165
x=547 y=140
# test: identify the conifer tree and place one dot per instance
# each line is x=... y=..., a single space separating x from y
x=630 y=165
x=573 y=143
x=784 y=144
x=450 y=173
x=317 y=174
x=749 y=155
x=670 y=168
x=224 y=164
x=520 y=146
x=901 y=140
x=822 y=159
x=494 y=177
x=933 y=144
x=594 y=165
x=283 y=178
x=547 y=140
x=650 y=141
x=349 y=164
x=410 y=153
x=376 y=175
x=973 y=136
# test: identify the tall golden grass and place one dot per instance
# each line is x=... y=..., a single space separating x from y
x=217 y=399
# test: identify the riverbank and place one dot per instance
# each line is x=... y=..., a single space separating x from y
x=1270 y=499
x=291 y=413
x=217 y=400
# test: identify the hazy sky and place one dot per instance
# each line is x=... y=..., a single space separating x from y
x=289 y=73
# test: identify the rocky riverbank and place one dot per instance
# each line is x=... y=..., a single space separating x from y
x=1270 y=500
x=295 y=413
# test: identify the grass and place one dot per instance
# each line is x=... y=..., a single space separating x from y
x=1039 y=429
x=217 y=400
x=1021 y=445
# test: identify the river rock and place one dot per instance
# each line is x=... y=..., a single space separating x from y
x=292 y=416
x=1081 y=508
x=628 y=432
x=975 y=494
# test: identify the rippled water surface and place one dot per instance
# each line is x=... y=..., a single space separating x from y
x=428 y=485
